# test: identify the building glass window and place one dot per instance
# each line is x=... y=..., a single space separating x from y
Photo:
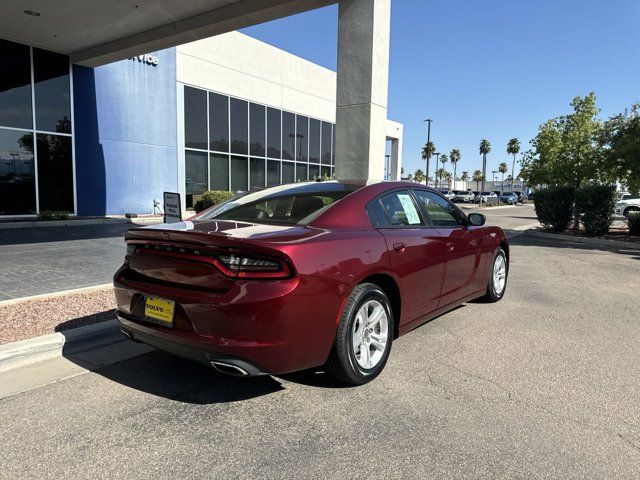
x=256 y=172
x=51 y=91
x=55 y=173
x=302 y=172
x=288 y=172
x=326 y=143
x=273 y=173
x=257 y=129
x=288 y=135
x=302 y=138
x=195 y=174
x=314 y=140
x=17 y=173
x=218 y=122
x=314 y=172
x=325 y=172
x=239 y=126
x=195 y=118
x=333 y=145
x=15 y=86
x=239 y=174
x=274 y=125
x=218 y=172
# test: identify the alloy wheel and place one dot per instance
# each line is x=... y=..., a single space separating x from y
x=370 y=334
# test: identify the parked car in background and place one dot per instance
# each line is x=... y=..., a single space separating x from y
x=448 y=194
x=627 y=204
x=510 y=198
x=304 y=275
x=620 y=195
x=483 y=197
x=465 y=196
x=522 y=197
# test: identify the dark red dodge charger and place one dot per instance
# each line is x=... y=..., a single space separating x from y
x=305 y=275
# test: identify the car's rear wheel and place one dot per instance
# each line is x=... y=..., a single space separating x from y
x=497 y=284
x=364 y=336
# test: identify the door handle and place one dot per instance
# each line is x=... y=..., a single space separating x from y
x=398 y=247
x=450 y=246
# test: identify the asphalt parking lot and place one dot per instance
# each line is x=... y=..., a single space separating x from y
x=544 y=384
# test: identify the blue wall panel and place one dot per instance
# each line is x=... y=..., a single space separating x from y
x=125 y=135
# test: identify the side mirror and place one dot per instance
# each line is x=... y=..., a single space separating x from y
x=476 y=219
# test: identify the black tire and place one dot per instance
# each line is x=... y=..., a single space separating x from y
x=342 y=363
x=630 y=210
x=492 y=294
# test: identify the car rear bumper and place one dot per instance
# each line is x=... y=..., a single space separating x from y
x=265 y=327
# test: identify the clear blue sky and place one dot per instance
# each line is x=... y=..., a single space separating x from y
x=494 y=69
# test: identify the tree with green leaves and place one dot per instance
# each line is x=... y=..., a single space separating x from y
x=502 y=168
x=465 y=178
x=478 y=177
x=568 y=150
x=513 y=148
x=444 y=175
x=621 y=136
x=418 y=176
x=454 y=157
x=427 y=152
x=485 y=148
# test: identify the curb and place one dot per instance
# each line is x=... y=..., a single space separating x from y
x=13 y=301
x=73 y=341
x=590 y=241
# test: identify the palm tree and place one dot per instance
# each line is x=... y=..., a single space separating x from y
x=419 y=176
x=443 y=174
x=443 y=159
x=454 y=156
x=427 y=151
x=503 y=169
x=485 y=148
x=513 y=148
x=478 y=177
x=465 y=178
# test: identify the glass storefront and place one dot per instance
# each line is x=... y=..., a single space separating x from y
x=232 y=144
x=36 y=147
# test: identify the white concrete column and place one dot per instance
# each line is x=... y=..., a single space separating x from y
x=396 y=156
x=363 y=78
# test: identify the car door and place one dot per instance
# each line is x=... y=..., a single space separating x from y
x=464 y=267
x=417 y=254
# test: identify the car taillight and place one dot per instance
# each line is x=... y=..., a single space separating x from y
x=252 y=267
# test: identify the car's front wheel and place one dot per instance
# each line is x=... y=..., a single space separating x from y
x=364 y=336
x=498 y=278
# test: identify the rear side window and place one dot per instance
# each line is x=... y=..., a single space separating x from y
x=395 y=209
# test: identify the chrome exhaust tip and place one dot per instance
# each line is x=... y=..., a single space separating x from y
x=229 y=369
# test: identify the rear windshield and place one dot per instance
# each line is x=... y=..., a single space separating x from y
x=287 y=204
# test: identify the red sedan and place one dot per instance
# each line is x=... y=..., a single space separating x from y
x=305 y=275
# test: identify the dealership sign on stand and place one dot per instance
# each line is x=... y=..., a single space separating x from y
x=172 y=208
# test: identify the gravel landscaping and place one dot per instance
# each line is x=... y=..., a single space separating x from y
x=32 y=318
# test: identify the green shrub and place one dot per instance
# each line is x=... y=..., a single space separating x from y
x=48 y=215
x=633 y=220
x=211 y=198
x=554 y=207
x=595 y=204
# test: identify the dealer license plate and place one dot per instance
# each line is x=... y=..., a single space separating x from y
x=159 y=310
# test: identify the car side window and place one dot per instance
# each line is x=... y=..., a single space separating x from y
x=441 y=212
x=396 y=209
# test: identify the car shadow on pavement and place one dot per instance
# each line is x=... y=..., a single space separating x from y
x=164 y=375
x=531 y=241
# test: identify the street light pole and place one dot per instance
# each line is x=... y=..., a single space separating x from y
x=428 y=120
x=437 y=154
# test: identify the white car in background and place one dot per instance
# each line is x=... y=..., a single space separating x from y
x=466 y=196
x=626 y=204
x=483 y=197
x=448 y=194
